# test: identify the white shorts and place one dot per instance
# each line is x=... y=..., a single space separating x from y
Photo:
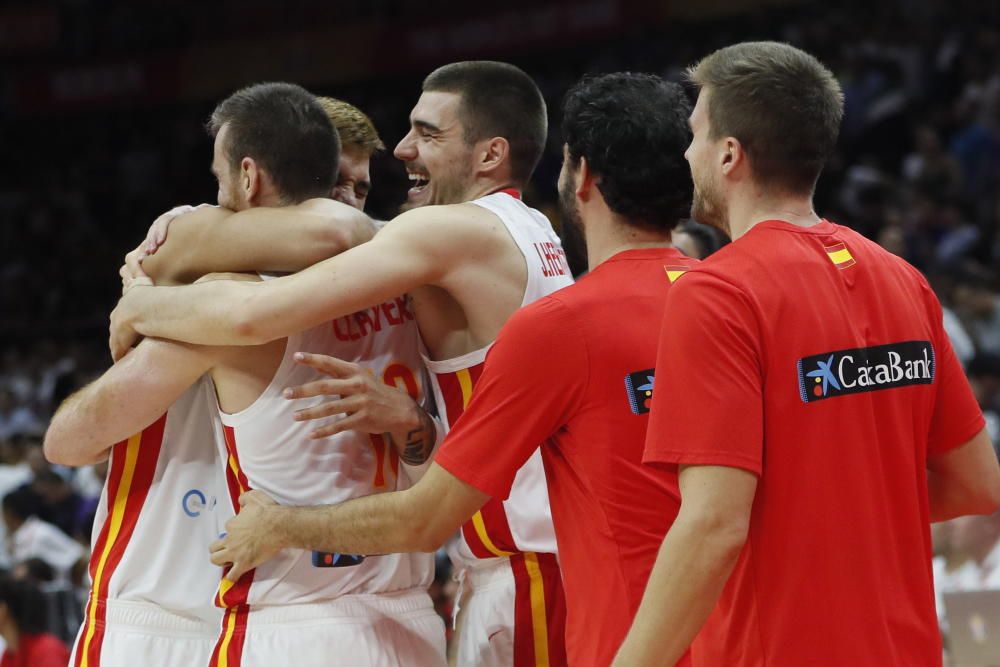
x=387 y=630
x=510 y=612
x=121 y=632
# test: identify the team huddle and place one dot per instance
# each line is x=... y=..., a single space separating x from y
x=667 y=462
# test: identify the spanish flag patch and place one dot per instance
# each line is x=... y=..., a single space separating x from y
x=840 y=256
x=674 y=272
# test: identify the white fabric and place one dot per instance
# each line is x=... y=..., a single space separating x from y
x=166 y=562
x=484 y=616
x=38 y=539
x=277 y=456
x=142 y=633
x=389 y=630
x=527 y=508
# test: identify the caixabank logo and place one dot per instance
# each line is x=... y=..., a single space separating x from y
x=861 y=369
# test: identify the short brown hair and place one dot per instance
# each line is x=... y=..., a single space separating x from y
x=498 y=100
x=780 y=103
x=355 y=128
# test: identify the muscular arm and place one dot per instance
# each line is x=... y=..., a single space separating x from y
x=421 y=247
x=418 y=519
x=213 y=239
x=696 y=558
x=130 y=396
x=965 y=480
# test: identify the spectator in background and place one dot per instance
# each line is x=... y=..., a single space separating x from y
x=24 y=625
x=984 y=375
x=60 y=505
x=979 y=308
x=30 y=537
x=696 y=240
x=17 y=419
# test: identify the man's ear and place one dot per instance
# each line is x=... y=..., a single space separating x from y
x=586 y=181
x=249 y=178
x=733 y=157
x=492 y=154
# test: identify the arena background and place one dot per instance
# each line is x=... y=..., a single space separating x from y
x=103 y=105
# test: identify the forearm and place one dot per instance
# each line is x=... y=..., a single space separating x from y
x=376 y=524
x=68 y=441
x=692 y=566
x=209 y=313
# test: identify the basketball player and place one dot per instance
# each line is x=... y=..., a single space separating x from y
x=276 y=123
x=468 y=267
x=589 y=401
x=824 y=420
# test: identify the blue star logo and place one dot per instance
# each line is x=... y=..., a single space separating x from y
x=648 y=386
x=825 y=371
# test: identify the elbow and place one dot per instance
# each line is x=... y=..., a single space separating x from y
x=724 y=535
x=988 y=500
x=57 y=449
x=333 y=240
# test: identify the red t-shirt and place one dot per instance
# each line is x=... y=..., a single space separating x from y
x=574 y=371
x=818 y=361
x=42 y=650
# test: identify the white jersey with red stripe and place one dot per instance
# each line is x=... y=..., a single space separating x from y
x=523 y=522
x=270 y=451
x=159 y=512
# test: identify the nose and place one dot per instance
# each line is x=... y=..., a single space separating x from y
x=406 y=149
x=345 y=195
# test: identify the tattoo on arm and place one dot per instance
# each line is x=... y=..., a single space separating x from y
x=419 y=442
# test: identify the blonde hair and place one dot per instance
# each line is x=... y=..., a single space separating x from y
x=356 y=129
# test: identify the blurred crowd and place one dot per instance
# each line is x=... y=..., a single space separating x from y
x=918 y=170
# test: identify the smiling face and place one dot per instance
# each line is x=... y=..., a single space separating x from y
x=438 y=159
x=709 y=205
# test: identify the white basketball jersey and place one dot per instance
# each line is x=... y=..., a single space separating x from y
x=160 y=510
x=523 y=522
x=268 y=450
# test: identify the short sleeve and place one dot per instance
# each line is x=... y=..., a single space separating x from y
x=708 y=408
x=956 y=417
x=534 y=375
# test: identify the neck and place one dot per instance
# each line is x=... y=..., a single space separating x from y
x=746 y=213
x=483 y=188
x=607 y=235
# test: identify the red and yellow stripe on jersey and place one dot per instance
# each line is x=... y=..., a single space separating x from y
x=130 y=475
x=231 y=596
x=539 y=602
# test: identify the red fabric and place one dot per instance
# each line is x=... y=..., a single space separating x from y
x=43 y=650
x=837 y=569
x=556 y=375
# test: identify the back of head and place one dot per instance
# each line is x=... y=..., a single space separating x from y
x=25 y=604
x=285 y=130
x=633 y=130
x=498 y=100
x=780 y=103
x=354 y=128
x=20 y=503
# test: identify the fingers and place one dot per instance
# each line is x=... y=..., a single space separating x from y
x=327 y=364
x=345 y=424
x=238 y=570
x=336 y=387
x=348 y=406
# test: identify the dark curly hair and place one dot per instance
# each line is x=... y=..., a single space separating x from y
x=633 y=130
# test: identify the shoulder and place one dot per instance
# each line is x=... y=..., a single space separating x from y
x=203 y=215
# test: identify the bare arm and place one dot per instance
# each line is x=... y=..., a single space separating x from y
x=130 y=396
x=695 y=561
x=418 y=519
x=965 y=480
x=212 y=239
x=420 y=247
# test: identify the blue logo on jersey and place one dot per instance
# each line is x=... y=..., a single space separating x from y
x=194 y=503
x=639 y=390
x=825 y=372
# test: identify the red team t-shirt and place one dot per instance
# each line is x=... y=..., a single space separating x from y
x=574 y=371
x=818 y=361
